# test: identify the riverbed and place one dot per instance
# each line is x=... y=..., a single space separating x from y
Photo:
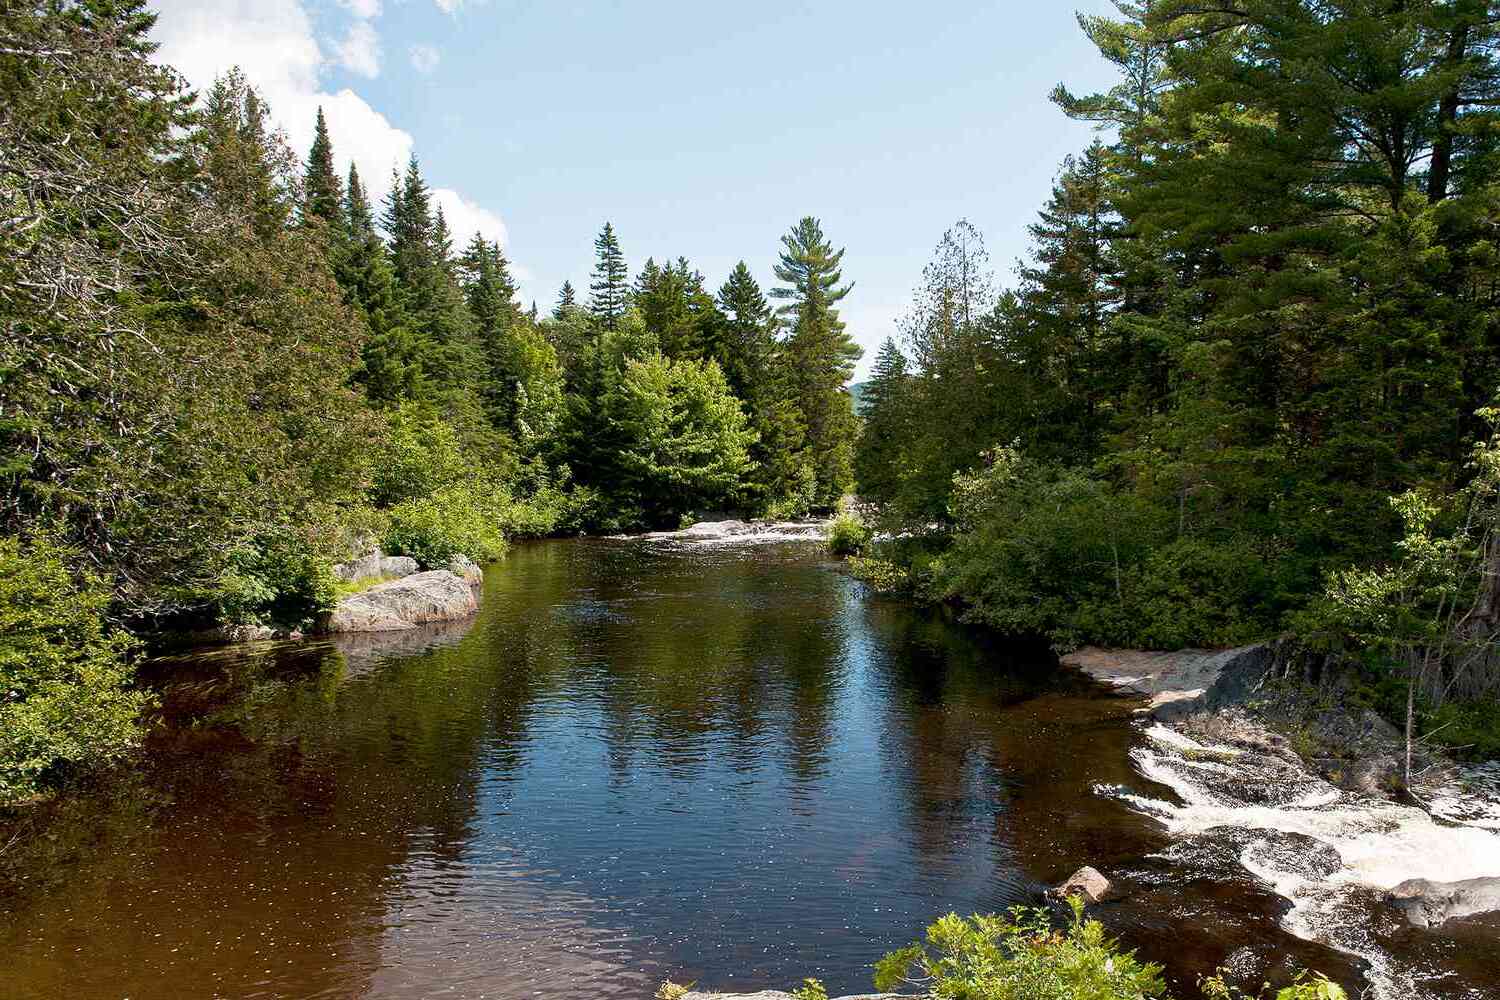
x=642 y=760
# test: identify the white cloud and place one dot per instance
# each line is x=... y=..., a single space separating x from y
x=366 y=9
x=425 y=58
x=465 y=218
x=454 y=6
x=359 y=52
x=273 y=41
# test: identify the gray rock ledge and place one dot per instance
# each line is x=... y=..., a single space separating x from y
x=436 y=596
x=1182 y=683
x=1431 y=904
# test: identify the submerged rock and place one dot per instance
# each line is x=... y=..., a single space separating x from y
x=1087 y=882
x=1431 y=904
x=436 y=596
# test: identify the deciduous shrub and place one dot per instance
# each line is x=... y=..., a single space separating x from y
x=847 y=535
x=65 y=697
x=463 y=519
x=1019 y=957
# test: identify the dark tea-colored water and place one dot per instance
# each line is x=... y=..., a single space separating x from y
x=722 y=764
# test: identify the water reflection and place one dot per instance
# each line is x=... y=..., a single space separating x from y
x=636 y=762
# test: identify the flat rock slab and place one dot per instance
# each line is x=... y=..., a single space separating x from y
x=436 y=596
x=1432 y=904
x=1180 y=683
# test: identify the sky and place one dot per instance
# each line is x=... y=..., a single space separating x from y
x=699 y=129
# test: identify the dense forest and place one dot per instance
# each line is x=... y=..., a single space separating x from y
x=224 y=369
x=1245 y=382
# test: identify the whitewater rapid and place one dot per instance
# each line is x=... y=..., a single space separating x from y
x=1332 y=854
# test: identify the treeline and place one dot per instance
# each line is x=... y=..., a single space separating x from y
x=1260 y=311
x=225 y=368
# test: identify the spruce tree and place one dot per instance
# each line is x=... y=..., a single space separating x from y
x=567 y=299
x=886 y=439
x=608 y=292
x=749 y=336
x=1072 y=290
x=677 y=308
x=359 y=216
x=322 y=194
x=820 y=355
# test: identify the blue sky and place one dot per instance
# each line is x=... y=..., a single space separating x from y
x=698 y=129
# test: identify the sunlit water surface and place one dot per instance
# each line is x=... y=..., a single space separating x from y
x=641 y=761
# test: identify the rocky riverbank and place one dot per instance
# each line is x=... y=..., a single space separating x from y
x=1302 y=790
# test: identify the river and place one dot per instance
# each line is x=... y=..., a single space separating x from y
x=641 y=761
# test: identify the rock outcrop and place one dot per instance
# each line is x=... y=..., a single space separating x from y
x=466 y=569
x=1179 y=684
x=436 y=596
x=1431 y=904
x=375 y=563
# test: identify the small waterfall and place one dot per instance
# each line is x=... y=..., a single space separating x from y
x=1331 y=853
x=723 y=533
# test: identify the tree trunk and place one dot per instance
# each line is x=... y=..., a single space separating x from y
x=1441 y=167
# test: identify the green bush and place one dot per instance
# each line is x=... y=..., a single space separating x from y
x=847 y=535
x=422 y=455
x=1019 y=957
x=1042 y=549
x=463 y=519
x=275 y=577
x=65 y=698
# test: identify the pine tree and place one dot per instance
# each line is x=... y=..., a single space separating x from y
x=678 y=309
x=1072 y=291
x=820 y=354
x=408 y=224
x=566 y=299
x=490 y=294
x=749 y=336
x=886 y=440
x=322 y=194
x=421 y=253
x=359 y=217
x=608 y=293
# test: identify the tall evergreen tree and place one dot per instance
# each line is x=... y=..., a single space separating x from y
x=1073 y=289
x=608 y=292
x=359 y=216
x=678 y=309
x=887 y=436
x=567 y=299
x=322 y=193
x=820 y=354
x=421 y=252
x=749 y=336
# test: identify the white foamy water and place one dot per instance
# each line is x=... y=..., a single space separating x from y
x=724 y=533
x=1378 y=844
